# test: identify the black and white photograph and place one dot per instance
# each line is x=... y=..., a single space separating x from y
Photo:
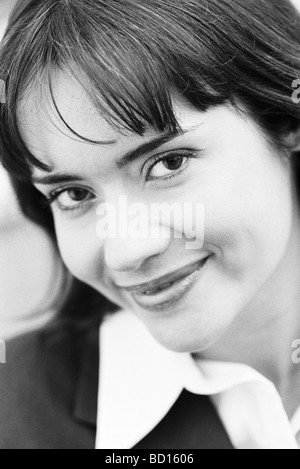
x=150 y=227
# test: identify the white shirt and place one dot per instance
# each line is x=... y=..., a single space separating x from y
x=140 y=381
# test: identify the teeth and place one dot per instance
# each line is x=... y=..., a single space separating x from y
x=152 y=292
x=167 y=286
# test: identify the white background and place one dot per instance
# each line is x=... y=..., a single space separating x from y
x=297 y=3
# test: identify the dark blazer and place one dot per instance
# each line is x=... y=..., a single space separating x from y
x=48 y=398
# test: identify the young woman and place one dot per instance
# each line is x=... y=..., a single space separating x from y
x=186 y=102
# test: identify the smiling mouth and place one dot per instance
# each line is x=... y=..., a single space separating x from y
x=158 y=293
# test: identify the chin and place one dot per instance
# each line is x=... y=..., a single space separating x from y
x=186 y=336
x=184 y=344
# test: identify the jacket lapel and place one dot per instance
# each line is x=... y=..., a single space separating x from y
x=85 y=408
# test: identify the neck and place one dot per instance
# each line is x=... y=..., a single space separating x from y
x=263 y=334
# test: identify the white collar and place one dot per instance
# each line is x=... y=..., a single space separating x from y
x=140 y=381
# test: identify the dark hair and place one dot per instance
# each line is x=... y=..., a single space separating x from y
x=129 y=55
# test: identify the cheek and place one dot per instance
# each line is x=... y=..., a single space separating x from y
x=248 y=211
x=79 y=248
x=254 y=225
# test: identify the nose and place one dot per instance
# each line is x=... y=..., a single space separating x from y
x=124 y=255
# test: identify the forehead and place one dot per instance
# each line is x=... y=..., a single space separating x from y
x=52 y=141
x=44 y=130
x=47 y=135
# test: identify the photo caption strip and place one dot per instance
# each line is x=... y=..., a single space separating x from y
x=144 y=458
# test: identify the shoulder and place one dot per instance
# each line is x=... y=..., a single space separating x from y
x=40 y=352
x=38 y=384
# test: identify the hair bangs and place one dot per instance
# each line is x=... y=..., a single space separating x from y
x=128 y=71
x=129 y=79
x=131 y=56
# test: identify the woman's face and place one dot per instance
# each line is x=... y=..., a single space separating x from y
x=222 y=161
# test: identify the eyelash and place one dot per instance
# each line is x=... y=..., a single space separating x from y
x=51 y=199
x=151 y=163
x=184 y=153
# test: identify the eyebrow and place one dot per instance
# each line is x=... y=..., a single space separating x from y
x=129 y=157
x=55 y=179
x=148 y=147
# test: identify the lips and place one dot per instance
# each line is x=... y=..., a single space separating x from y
x=179 y=275
x=167 y=290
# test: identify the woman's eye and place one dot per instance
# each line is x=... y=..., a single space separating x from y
x=71 y=199
x=167 y=166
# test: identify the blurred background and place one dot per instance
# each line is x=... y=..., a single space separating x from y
x=5 y=7
x=31 y=274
